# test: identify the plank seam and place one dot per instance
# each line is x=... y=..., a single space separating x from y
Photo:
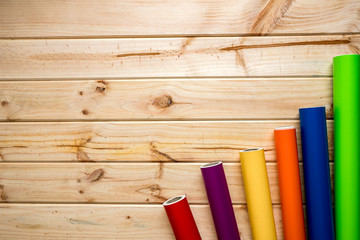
x=126 y=120
x=180 y=36
x=164 y=78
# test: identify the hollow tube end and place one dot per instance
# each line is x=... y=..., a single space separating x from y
x=174 y=200
x=251 y=150
x=284 y=128
x=212 y=164
x=309 y=108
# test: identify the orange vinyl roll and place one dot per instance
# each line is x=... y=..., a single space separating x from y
x=289 y=181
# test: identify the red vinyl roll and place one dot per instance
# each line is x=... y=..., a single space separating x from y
x=181 y=218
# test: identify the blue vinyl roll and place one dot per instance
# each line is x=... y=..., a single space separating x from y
x=317 y=180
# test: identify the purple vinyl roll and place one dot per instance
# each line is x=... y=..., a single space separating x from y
x=220 y=202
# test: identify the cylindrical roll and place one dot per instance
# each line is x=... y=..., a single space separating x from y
x=181 y=218
x=289 y=181
x=347 y=146
x=257 y=193
x=220 y=202
x=319 y=213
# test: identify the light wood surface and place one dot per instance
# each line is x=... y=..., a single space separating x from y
x=159 y=141
x=173 y=57
x=46 y=18
x=163 y=99
x=108 y=108
x=115 y=183
x=104 y=221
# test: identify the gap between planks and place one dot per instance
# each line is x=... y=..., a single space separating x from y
x=131 y=204
x=126 y=120
x=169 y=78
x=249 y=35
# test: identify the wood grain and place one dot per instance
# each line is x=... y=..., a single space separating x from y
x=80 y=221
x=160 y=141
x=46 y=18
x=163 y=99
x=173 y=57
x=108 y=108
x=118 y=183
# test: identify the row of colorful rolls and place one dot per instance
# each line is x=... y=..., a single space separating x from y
x=317 y=181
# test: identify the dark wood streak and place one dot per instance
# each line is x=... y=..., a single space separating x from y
x=159 y=154
x=228 y=148
x=138 y=54
x=86 y=56
x=3 y=195
x=217 y=148
x=240 y=60
x=82 y=156
x=287 y=44
x=103 y=82
x=186 y=43
x=14 y=146
x=270 y=16
x=83 y=147
x=160 y=171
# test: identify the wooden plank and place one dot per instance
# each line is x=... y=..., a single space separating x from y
x=117 y=183
x=77 y=221
x=173 y=57
x=163 y=99
x=44 y=18
x=159 y=141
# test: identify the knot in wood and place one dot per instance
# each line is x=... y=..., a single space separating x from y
x=85 y=112
x=163 y=101
x=155 y=190
x=96 y=175
x=4 y=103
x=3 y=195
x=100 y=89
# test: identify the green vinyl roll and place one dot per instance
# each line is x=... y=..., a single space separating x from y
x=347 y=146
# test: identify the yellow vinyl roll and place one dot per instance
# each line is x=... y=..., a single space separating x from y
x=257 y=193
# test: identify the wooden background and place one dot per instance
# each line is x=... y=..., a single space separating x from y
x=108 y=108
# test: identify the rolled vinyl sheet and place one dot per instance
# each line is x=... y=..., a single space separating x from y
x=257 y=193
x=319 y=212
x=220 y=202
x=347 y=146
x=181 y=218
x=289 y=182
